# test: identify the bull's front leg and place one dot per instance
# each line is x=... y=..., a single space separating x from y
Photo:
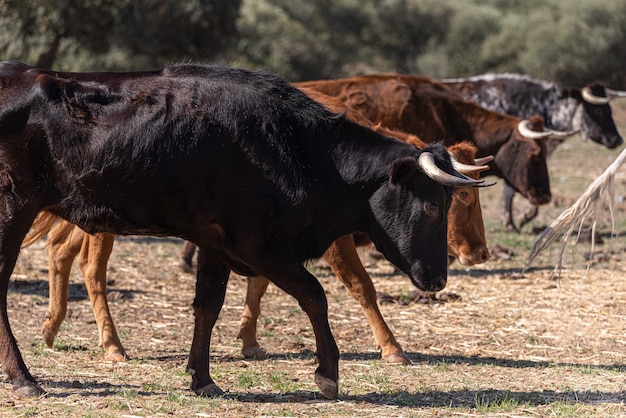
x=509 y=194
x=212 y=278
x=12 y=363
x=344 y=260
x=529 y=215
x=63 y=247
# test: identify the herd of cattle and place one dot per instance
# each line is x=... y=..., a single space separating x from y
x=261 y=175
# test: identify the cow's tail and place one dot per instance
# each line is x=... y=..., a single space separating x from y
x=41 y=225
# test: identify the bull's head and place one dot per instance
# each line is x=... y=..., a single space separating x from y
x=521 y=161
x=594 y=117
x=466 y=230
x=411 y=215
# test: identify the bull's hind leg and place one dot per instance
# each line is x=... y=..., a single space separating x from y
x=294 y=279
x=94 y=257
x=251 y=311
x=343 y=259
x=212 y=278
x=64 y=243
x=186 y=262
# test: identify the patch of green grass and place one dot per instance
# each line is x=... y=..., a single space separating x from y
x=267 y=334
x=247 y=379
x=564 y=409
x=443 y=366
x=282 y=382
x=39 y=348
x=487 y=404
x=29 y=411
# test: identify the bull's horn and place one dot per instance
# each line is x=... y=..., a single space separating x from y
x=466 y=168
x=483 y=160
x=561 y=134
x=524 y=129
x=593 y=99
x=427 y=164
x=615 y=93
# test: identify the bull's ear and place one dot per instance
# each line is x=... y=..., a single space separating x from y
x=403 y=169
x=50 y=87
x=13 y=119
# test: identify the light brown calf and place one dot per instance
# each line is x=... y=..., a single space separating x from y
x=466 y=241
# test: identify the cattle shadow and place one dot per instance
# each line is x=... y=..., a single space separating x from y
x=76 y=291
x=416 y=358
x=148 y=239
x=461 y=399
x=510 y=272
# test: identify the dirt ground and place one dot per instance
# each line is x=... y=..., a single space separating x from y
x=497 y=341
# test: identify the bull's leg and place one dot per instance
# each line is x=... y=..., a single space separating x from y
x=343 y=259
x=251 y=311
x=94 y=256
x=13 y=229
x=509 y=194
x=186 y=263
x=64 y=244
x=212 y=278
x=529 y=215
x=294 y=279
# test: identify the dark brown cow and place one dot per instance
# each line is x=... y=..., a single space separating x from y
x=466 y=238
x=585 y=111
x=160 y=153
x=435 y=112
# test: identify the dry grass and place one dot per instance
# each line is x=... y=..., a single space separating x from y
x=506 y=344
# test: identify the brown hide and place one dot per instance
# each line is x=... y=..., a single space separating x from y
x=435 y=112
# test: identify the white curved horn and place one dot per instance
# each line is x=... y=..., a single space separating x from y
x=615 y=93
x=561 y=134
x=593 y=99
x=483 y=160
x=524 y=129
x=466 y=168
x=427 y=164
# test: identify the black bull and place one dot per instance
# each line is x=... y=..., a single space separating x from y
x=240 y=163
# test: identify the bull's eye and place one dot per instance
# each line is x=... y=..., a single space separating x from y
x=463 y=195
x=431 y=208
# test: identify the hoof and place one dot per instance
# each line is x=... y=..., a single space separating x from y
x=328 y=387
x=116 y=356
x=28 y=390
x=255 y=352
x=210 y=390
x=48 y=336
x=397 y=358
x=187 y=267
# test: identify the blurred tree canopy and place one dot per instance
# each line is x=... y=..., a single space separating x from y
x=572 y=42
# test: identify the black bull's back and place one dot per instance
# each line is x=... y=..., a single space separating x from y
x=240 y=163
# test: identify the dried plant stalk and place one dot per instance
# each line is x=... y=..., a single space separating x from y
x=586 y=208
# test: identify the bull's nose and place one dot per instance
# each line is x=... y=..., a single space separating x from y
x=439 y=284
x=475 y=256
x=483 y=255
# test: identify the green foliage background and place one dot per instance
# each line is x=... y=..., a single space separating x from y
x=572 y=42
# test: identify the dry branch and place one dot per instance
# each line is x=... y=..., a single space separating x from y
x=586 y=208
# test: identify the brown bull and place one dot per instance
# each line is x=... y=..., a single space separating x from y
x=435 y=112
x=466 y=241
